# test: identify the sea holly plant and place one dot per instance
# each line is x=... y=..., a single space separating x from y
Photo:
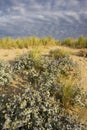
x=27 y=61
x=48 y=94
x=23 y=62
x=35 y=110
x=5 y=73
x=50 y=73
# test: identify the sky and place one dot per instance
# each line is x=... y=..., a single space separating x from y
x=57 y=18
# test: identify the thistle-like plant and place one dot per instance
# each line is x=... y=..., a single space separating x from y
x=5 y=73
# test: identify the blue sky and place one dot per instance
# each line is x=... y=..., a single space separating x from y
x=58 y=18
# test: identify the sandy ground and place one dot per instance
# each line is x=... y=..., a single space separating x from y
x=11 y=54
x=8 y=54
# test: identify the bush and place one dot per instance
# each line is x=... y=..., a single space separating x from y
x=57 y=54
x=5 y=73
x=70 y=42
x=23 y=62
x=36 y=110
x=80 y=42
x=50 y=90
x=27 y=61
x=49 y=73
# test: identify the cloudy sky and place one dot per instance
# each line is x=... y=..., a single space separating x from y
x=57 y=18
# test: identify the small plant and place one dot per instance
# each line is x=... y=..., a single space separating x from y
x=57 y=54
x=23 y=62
x=35 y=54
x=69 y=92
x=28 y=61
x=80 y=42
x=5 y=73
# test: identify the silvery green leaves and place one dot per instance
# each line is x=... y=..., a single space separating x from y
x=41 y=106
x=37 y=110
x=49 y=74
x=23 y=63
x=27 y=61
x=5 y=73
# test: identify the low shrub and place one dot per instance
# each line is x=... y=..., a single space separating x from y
x=80 y=42
x=49 y=93
x=5 y=73
x=23 y=62
x=27 y=61
x=57 y=53
x=36 y=110
x=48 y=73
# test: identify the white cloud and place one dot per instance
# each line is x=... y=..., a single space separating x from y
x=24 y=13
x=73 y=14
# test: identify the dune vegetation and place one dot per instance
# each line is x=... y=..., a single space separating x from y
x=9 y=43
x=41 y=91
